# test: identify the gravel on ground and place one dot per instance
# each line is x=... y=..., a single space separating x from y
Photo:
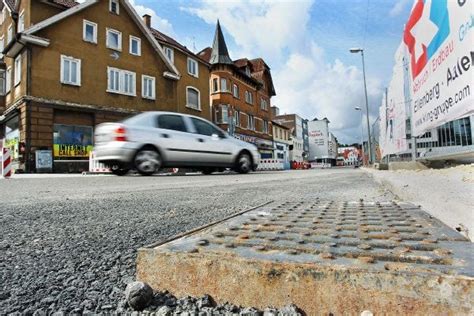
x=68 y=244
x=447 y=194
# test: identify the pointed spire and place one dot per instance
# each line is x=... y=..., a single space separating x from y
x=219 y=54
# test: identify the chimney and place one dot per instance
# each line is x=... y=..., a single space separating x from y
x=147 y=20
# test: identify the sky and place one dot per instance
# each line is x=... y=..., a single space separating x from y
x=306 y=44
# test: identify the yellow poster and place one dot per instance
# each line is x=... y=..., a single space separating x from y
x=65 y=150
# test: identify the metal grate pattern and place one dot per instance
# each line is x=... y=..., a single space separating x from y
x=376 y=235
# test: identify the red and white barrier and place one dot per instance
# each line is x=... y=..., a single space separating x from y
x=270 y=164
x=6 y=163
x=95 y=166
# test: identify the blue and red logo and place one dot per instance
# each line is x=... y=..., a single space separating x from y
x=426 y=30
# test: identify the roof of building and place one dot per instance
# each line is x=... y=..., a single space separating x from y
x=205 y=54
x=65 y=3
x=280 y=125
x=173 y=72
x=12 y=4
x=161 y=37
x=219 y=54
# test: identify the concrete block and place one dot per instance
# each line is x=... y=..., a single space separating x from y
x=326 y=257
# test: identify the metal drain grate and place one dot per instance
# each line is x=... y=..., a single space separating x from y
x=373 y=237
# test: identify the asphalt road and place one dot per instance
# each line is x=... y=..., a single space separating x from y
x=69 y=243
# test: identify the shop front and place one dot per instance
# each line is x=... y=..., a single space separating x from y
x=12 y=140
x=72 y=146
x=265 y=147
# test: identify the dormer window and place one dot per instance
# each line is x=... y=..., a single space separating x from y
x=114 y=6
x=169 y=53
x=247 y=71
x=10 y=33
x=21 y=22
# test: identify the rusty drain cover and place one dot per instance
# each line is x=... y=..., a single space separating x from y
x=323 y=256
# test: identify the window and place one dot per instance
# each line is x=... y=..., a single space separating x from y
x=10 y=33
x=17 y=79
x=193 y=98
x=222 y=114
x=263 y=104
x=2 y=45
x=236 y=91
x=237 y=118
x=8 y=80
x=169 y=52
x=135 y=46
x=204 y=128
x=215 y=85
x=223 y=84
x=89 y=32
x=148 y=87
x=129 y=82
x=70 y=70
x=248 y=97
x=265 y=127
x=193 y=67
x=121 y=81
x=251 y=125
x=225 y=114
x=114 y=6
x=172 y=122
x=114 y=39
x=21 y=22
x=3 y=85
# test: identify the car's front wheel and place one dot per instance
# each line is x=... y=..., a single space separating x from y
x=244 y=163
x=147 y=161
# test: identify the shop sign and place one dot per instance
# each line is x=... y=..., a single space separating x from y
x=72 y=141
x=66 y=150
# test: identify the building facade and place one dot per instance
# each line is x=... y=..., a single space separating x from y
x=68 y=66
x=241 y=92
x=295 y=124
x=322 y=143
x=349 y=156
x=281 y=143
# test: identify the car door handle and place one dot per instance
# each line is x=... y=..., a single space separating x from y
x=200 y=140
x=165 y=135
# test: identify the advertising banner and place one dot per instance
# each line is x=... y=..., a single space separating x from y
x=394 y=109
x=439 y=39
x=72 y=141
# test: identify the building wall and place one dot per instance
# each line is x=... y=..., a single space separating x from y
x=67 y=39
x=201 y=83
x=239 y=103
x=318 y=140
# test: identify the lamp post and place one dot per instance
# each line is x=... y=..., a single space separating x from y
x=361 y=51
x=357 y=108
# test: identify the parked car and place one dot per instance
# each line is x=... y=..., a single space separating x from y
x=150 y=141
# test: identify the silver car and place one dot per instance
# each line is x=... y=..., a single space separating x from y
x=150 y=141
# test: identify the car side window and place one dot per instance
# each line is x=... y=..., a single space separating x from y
x=172 y=122
x=205 y=128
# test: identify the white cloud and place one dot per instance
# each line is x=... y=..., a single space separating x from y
x=398 y=7
x=265 y=26
x=307 y=82
x=161 y=24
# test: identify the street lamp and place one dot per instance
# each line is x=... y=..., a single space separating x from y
x=361 y=51
x=357 y=108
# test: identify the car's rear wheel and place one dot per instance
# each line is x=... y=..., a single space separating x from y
x=244 y=163
x=147 y=161
x=119 y=170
